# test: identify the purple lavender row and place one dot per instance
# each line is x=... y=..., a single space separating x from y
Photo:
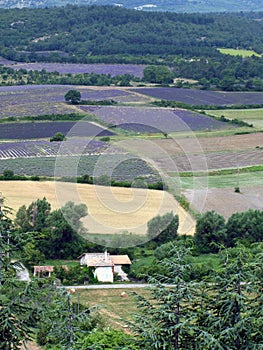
x=156 y=119
x=24 y=131
x=27 y=149
x=111 y=69
x=203 y=97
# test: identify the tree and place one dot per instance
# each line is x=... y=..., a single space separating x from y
x=14 y=315
x=167 y=318
x=34 y=217
x=163 y=228
x=59 y=136
x=73 y=96
x=157 y=74
x=222 y=312
x=232 y=301
x=246 y=226
x=210 y=232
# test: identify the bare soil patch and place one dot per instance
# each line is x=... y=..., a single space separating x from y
x=211 y=144
x=226 y=202
x=199 y=154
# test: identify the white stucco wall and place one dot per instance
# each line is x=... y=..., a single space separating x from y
x=104 y=274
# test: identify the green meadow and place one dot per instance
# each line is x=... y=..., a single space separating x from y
x=251 y=116
x=238 y=52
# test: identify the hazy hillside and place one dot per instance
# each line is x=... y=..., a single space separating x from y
x=151 y=5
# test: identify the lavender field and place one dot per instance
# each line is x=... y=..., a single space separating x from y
x=152 y=120
x=38 y=130
x=25 y=100
x=33 y=149
x=127 y=169
x=64 y=68
x=203 y=97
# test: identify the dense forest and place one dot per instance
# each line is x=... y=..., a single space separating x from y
x=187 y=43
x=80 y=33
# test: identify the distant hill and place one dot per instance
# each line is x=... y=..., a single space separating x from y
x=151 y=5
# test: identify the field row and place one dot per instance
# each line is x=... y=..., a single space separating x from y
x=26 y=149
x=118 y=167
x=33 y=100
x=25 y=131
x=152 y=120
x=203 y=97
x=66 y=68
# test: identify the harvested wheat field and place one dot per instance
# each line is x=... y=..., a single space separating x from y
x=110 y=209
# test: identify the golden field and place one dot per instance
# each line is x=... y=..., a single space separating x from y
x=110 y=209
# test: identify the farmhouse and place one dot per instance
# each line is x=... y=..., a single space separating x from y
x=106 y=265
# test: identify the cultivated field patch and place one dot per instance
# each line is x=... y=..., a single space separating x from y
x=152 y=120
x=202 y=97
x=41 y=130
x=111 y=209
x=250 y=116
x=35 y=149
x=226 y=202
x=199 y=154
x=65 y=68
x=239 y=52
x=33 y=100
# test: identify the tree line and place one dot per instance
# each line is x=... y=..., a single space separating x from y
x=186 y=43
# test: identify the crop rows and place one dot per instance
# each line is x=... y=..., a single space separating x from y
x=24 y=131
x=27 y=149
x=65 y=68
x=203 y=97
x=35 y=100
x=152 y=120
x=217 y=160
x=117 y=166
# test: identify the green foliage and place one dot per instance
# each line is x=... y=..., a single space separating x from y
x=246 y=226
x=34 y=217
x=73 y=96
x=103 y=180
x=99 y=102
x=44 y=234
x=105 y=139
x=59 y=136
x=164 y=228
x=108 y=339
x=167 y=320
x=75 y=275
x=8 y=174
x=210 y=232
x=221 y=312
x=157 y=74
x=232 y=303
